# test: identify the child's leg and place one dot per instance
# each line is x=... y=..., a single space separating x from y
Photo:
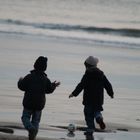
x=26 y=116
x=36 y=117
x=99 y=119
x=89 y=118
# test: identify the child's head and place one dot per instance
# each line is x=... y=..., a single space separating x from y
x=91 y=61
x=41 y=63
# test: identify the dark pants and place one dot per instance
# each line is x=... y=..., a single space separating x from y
x=31 y=119
x=90 y=115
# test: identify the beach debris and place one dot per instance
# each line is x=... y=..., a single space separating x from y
x=122 y=129
x=6 y=130
x=82 y=128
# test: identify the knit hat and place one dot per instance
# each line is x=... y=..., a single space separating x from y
x=41 y=63
x=92 y=61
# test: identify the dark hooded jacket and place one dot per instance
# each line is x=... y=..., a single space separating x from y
x=36 y=85
x=93 y=83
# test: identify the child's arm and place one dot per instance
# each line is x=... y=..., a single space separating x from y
x=108 y=87
x=51 y=86
x=23 y=83
x=71 y=95
x=79 y=87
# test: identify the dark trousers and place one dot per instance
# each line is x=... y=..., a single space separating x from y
x=90 y=115
x=31 y=119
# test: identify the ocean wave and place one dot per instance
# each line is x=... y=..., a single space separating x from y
x=66 y=27
x=100 y=42
x=73 y=32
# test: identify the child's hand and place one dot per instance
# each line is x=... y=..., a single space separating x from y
x=112 y=96
x=71 y=95
x=21 y=78
x=56 y=83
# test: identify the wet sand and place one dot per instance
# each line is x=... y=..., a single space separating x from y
x=17 y=54
x=113 y=132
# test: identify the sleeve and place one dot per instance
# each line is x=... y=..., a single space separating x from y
x=80 y=86
x=108 y=87
x=50 y=87
x=23 y=83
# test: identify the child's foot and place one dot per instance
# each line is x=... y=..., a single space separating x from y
x=102 y=125
x=32 y=134
x=89 y=135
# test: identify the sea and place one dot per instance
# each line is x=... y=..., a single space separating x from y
x=108 y=22
x=67 y=31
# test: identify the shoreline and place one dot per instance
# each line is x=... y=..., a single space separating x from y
x=109 y=126
x=60 y=132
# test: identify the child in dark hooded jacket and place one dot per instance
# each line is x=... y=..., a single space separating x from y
x=93 y=83
x=35 y=85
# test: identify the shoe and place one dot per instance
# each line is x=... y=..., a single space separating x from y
x=102 y=125
x=89 y=135
x=32 y=133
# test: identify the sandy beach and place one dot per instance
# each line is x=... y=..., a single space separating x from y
x=66 y=57
x=67 y=32
x=113 y=132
